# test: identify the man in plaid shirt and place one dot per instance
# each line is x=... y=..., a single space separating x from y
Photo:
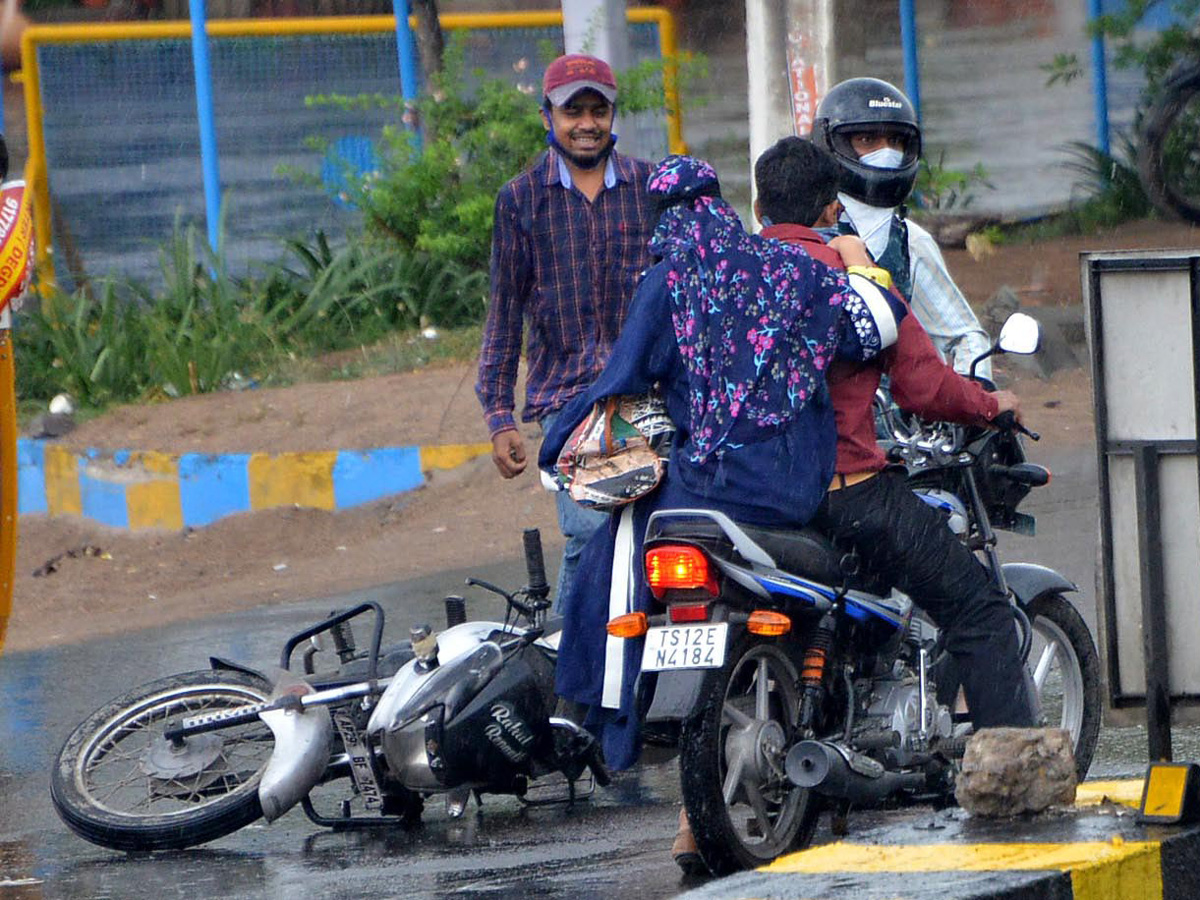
x=568 y=244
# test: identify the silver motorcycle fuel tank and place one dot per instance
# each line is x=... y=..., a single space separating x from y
x=471 y=719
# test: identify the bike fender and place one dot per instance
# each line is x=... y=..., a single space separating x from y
x=676 y=695
x=220 y=664
x=303 y=744
x=1028 y=581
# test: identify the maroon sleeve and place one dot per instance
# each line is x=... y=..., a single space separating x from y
x=923 y=384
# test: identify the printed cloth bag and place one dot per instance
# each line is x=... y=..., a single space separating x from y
x=618 y=453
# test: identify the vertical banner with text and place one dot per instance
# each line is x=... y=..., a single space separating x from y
x=16 y=251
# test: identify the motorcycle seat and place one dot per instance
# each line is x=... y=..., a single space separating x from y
x=804 y=551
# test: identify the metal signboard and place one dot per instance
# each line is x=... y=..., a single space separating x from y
x=1143 y=320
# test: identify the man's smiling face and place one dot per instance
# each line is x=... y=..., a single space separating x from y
x=582 y=126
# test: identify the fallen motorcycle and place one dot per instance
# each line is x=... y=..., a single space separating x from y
x=196 y=756
x=790 y=685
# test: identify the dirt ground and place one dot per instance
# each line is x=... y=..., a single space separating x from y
x=466 y=516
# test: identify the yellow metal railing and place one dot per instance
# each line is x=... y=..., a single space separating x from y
x=36 y=173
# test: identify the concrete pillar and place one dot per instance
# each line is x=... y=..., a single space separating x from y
x=597 y=27
x=810 y=57
x=769 y=98
x=790 y=65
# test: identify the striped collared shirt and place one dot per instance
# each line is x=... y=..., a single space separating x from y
x=936 y=300
x=568 y=268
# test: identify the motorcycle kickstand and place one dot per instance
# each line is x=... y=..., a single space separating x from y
x=839 y=822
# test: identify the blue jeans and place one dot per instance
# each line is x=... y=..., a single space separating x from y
x=577 y=525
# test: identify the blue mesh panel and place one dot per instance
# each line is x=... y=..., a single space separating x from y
x=123 y=148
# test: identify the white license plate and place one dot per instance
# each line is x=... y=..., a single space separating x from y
x=685 y=647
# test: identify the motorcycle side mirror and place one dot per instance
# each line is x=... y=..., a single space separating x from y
x=1020 y=333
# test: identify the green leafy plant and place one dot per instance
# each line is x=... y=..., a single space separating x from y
x=124 y=341
x=1109 y=183
x=435 y=194
x=941 y=189
x=1107 y=191
x=1154 y=53
x=83 y=343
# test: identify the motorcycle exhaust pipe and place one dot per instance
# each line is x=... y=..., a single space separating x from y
x=837 y=771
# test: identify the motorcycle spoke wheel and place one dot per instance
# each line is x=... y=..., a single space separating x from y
x=1066 y=674
x=1169 y=160
x=119 y=783
x=743 y=810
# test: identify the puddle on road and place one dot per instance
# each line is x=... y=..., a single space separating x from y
x=17 y=865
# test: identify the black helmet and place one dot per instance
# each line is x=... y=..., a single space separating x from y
x=869 y=104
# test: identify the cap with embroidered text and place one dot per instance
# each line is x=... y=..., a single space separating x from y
x=570 y=74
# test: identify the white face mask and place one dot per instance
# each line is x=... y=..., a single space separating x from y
x=883 y=158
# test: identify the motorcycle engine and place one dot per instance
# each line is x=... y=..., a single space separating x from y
x=892 y=721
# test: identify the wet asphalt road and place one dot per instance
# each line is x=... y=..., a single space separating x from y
x=613 y=846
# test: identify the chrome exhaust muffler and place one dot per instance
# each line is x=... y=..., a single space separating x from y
x=837 y=771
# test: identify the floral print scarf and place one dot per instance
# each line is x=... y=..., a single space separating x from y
x=757 y=321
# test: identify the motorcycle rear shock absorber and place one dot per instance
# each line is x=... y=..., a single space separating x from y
x=812 y=673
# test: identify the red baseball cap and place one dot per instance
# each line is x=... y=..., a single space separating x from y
x=570 y=74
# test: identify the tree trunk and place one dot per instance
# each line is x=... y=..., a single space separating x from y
x=430 y=44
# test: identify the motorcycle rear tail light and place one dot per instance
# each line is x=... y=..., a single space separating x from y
x=688 y=612
x=678 y=567
x=630 y=625
x=769 y=624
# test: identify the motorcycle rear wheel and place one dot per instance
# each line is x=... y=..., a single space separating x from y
x=1169 y=159
x=118 y=783
x=743 y=810
x=1066 y=673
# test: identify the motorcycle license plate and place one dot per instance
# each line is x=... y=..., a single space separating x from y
x=685 y=647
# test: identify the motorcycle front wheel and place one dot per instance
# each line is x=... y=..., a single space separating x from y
x=1169 y=158
x=119 y=783
x=743 y=810
x=1066 y=673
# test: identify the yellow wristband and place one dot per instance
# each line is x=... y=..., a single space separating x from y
x=880 y=276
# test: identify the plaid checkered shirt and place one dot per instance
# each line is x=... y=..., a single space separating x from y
x=568 y=267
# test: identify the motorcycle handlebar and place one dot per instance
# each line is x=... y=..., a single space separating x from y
x=1023 y=473
x=1007 y=421
x=535 y=565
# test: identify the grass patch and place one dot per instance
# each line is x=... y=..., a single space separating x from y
x=395 y=354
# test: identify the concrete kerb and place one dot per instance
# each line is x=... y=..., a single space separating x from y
x=1096 y=851
x=140 y=490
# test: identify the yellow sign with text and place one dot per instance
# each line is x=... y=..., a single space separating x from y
x=16 y=268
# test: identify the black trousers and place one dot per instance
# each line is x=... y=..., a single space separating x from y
x=904 y=542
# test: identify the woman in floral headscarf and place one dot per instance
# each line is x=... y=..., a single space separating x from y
x=753 y=326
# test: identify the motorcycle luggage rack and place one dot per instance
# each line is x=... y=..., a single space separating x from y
x=285 y=659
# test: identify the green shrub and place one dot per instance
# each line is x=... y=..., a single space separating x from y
x=1109 y=182
x=127 y=342
x=83 y=344
x=435 y=195
x=940 y=189
x=327 y=298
